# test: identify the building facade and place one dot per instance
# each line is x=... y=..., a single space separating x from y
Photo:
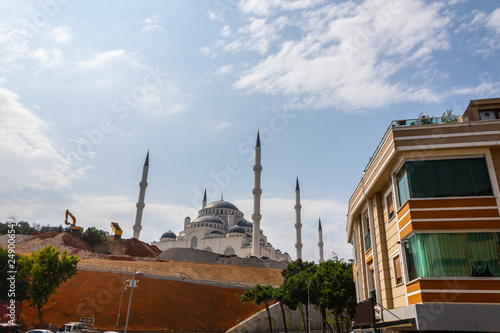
x=424 y=223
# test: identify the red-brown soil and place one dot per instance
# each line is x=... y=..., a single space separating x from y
x=136 y=248
x=157 y=304
x=76 y=241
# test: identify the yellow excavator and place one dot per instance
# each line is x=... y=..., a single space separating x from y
x=72 y=226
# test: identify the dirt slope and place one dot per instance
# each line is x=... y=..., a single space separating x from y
x=195 y=271
x=156 y=304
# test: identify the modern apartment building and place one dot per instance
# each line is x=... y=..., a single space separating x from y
x=424 y=223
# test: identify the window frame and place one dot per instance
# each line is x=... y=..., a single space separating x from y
x=390 y=193
x=395 y=255
x=404 y=164
x=495 y=111
x=365 y=223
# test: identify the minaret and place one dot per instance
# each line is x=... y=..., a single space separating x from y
x=320 y=243
x=142 y=193
x=298 y=224
x=204 y=199
x=257 y=191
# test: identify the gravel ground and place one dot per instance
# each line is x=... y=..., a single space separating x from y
x=204 y=257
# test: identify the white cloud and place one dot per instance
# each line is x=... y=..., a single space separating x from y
x=216 y=127
x=61 y=35
x=48 y=59
x=225 y=31
x=348 y=54
x=102 y=59
x=152 y=25
x=485 y=89
x=267 y=7
x=205 y=50
x=493 y=20
x=31 y=159
x=213 y=16
x=164 y=100
x=224 y=70
x=469 y=24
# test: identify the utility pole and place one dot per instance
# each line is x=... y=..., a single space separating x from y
x=121 y=297
x=308 y=311
x=132 y=285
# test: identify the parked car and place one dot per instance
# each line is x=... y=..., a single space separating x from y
x=39 y=331
x=9 y=328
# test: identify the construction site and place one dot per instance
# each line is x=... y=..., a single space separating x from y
x=196 y=292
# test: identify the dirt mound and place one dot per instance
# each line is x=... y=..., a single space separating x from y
x=110 y=246
x=200 y=256
x=76 y=241
x=74 y=244
x=45 y=235
x=157 y=305
x=136 y=248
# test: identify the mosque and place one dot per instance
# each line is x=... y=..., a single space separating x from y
x=220 y=226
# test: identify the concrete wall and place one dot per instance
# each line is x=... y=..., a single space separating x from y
x=260 y=323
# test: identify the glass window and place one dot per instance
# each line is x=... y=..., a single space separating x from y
x=416 y=179
x=481 y=177
x=443 y=178
x=453 y=255
x=431 y=179
x=194 y=242
x=390 y=206
x=446 y=173
x=229 y=251
x=397 y=270
x=464 y=174
x=402 y=180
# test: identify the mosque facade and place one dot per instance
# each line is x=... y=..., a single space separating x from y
x=221 y=227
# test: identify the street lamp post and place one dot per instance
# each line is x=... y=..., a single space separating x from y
x=308 y=310
x=133 y=284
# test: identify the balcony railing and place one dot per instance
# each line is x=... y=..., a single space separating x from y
x=414 y=122
x=368 y=242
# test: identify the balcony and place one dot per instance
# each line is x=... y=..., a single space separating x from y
x=414 y=122
x=368 y=242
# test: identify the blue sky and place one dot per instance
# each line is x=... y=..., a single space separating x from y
x=86 y=88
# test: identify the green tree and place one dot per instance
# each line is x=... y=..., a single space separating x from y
x=21 y=277
x=333 y=288
x=93 y=235
x=45 y=271
x=260 y=294
x=297 y=277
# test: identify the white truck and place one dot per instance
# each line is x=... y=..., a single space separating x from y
x=86 y=324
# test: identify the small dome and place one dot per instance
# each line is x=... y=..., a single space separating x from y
x=208 y=218
x=245 y=223
x=169 y=234
x=221 y=204
x=216 y=232
x=236 y=229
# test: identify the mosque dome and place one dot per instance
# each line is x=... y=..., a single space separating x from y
x=221 y=204
x=216 y=232
x=169 y=234
x=245 y=223
x=236 y=229
x=208 y=218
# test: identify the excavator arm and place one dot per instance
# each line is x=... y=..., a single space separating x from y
x=68 y=213
x=72 y=226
